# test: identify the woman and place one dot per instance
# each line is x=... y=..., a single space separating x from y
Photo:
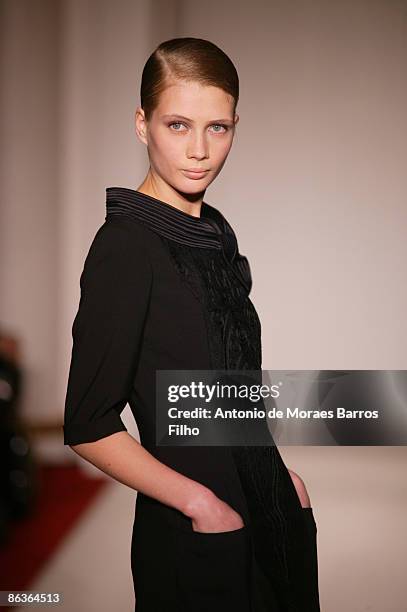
x=164 y=287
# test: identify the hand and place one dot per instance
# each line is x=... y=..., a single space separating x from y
x=210 y=514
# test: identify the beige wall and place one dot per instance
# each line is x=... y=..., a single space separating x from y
x=315 y=183
x=29 y=165
x=70 y=83
x=315 y=187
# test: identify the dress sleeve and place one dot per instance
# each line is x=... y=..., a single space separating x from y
x=107 y=333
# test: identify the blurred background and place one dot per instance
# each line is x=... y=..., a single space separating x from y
x=315 y=188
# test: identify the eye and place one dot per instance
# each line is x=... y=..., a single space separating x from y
x=221 y=125
x=223 y=128
x=176 y=123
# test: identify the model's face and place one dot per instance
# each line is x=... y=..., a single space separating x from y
x=192 y=128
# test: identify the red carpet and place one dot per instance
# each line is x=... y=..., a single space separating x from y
x=65 y=493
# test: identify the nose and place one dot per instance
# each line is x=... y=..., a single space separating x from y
x=197 y=146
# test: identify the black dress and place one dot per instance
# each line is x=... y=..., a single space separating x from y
x=162 y=289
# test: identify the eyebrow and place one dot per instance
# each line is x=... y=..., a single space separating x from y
x=191 y=120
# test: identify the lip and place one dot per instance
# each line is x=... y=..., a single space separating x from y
x=195 y=174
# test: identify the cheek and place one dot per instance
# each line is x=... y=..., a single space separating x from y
x=165 y=151
x=220 y=149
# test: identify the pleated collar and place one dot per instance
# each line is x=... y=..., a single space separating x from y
x=210 y=230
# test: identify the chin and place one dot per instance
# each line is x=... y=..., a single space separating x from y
x=192 y=187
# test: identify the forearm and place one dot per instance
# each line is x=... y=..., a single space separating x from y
x=122 y=457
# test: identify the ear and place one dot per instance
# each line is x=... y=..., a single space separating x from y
x=140 y=125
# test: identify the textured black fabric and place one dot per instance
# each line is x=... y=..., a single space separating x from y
x=162 y=289
x=115 y=291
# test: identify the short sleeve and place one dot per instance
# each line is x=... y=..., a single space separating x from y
x=107 y=332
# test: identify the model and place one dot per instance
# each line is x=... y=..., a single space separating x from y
x=164 y=287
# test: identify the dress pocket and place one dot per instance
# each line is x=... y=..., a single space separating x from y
x=213 y=570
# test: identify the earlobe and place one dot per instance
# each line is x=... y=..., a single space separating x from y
x=141 y=135
x=139 y=121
